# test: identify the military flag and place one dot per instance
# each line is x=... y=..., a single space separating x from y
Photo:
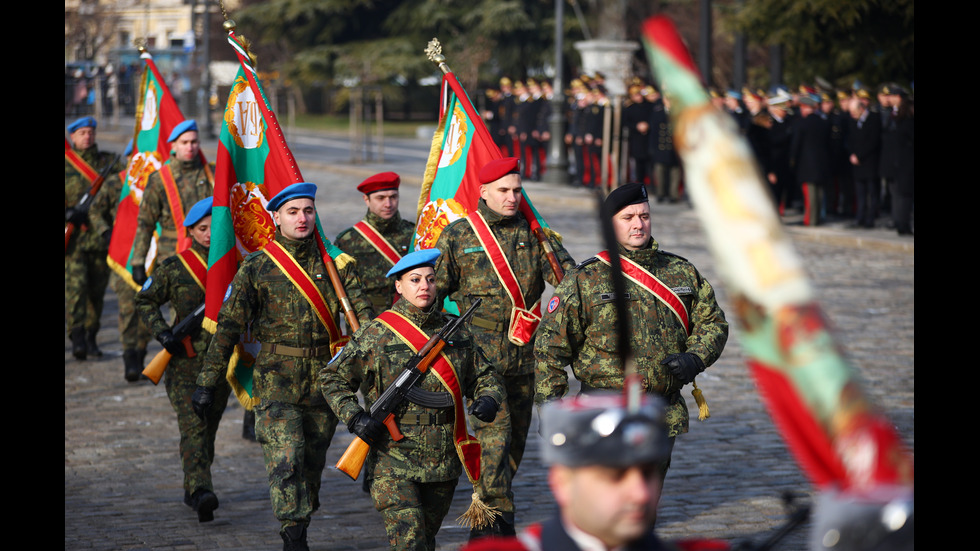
x=157 y=114
x=254 y=163
x=839 y=439
x=461 y=146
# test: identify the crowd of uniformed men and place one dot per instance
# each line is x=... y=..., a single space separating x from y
x=845 y=154
x=513 y=354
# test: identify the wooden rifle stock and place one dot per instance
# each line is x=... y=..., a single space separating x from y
x=154 y=370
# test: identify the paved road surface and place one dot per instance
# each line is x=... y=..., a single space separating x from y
x=122 y=474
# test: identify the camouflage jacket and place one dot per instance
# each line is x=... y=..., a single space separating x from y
x=192 y=183
x=262 y=299
x=376 y=356
x=172 y=283
x=464 y=272
x=371 y=265
x=578 y=329
x=90 y=237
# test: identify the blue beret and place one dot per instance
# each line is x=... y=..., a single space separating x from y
x=624 y=196
x=424 y=257
x=295 y=191
x=129 y=148
x=81 y=123
x=200 y=209
x=186 y=126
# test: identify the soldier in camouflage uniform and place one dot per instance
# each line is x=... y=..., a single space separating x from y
x=578 y=328
x=465 y=272
x=381 y=197
x=133 y=333
x=174 y=282
x=293 y=422
x=86 y=271
x=414 y=478
x=194 y=182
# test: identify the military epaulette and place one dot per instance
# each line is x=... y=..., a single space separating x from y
x=169 y=260
x=552 y=234
x=586 y=262
x=661 y=251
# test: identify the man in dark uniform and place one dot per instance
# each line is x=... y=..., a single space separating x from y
x=180 y=281
x=86 y=271
x=180 y=183
x=779 y=171
x=811 y=159
x=272 y=297
x=666 y=162
x=864 y=149
x=379 y=240
x=505 y=323
x=604 y=456
x=636 y=120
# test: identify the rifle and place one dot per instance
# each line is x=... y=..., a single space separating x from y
x=182 y=331
x=85 y=202
x=352 y=460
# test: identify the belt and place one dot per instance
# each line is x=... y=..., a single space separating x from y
x=671 y=397
x=484 y=323
x=442 y=418
x=283 y=350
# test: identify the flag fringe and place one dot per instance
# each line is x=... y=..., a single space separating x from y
x=478 y=515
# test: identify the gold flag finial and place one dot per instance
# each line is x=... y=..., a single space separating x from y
x=434 y=52
x=140 y=44
x=228 y=25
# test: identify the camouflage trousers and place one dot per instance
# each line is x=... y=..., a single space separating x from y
x=132 y=331
x=412 y=511
x=294 y=441
x=196 y=436
x=503 y=442
x=86 y=277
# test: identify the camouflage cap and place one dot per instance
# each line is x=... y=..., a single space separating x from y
x=598 y=429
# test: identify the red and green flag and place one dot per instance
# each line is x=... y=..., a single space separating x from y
x=253 y=165
x=156 y=116
x=461 y=146
x=813 y=394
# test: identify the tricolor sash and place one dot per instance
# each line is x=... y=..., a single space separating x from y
x=382 y=245
x=304 y=283
x=467 y=446
x=523 y=322
x=176 y=207
x=637 y=274
x=79 y=164
x=196 y=266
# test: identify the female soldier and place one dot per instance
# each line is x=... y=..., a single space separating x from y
x=414 y=477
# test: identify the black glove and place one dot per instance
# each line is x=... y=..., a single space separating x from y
x=366 y=427
x=76 y=216
x=139 y=275
x=170 y=342
x=201 y=400
x=484 y=408
x=684 y=366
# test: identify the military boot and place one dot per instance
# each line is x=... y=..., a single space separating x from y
x=132 y=365
x=93 y=348
x=294 y=538
x=79 y=348
x=204 y=502
x=500 y=527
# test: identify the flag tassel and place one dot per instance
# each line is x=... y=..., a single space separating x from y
x=703 y=412
x=478 y=515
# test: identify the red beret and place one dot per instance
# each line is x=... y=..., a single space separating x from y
x=495 y=170
x=378 y=182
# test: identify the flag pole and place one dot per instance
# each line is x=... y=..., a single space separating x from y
x=434 y=52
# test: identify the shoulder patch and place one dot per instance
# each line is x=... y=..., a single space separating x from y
x=586 y=262
x=661 y=251
x=147 y=283
x=553 y=304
